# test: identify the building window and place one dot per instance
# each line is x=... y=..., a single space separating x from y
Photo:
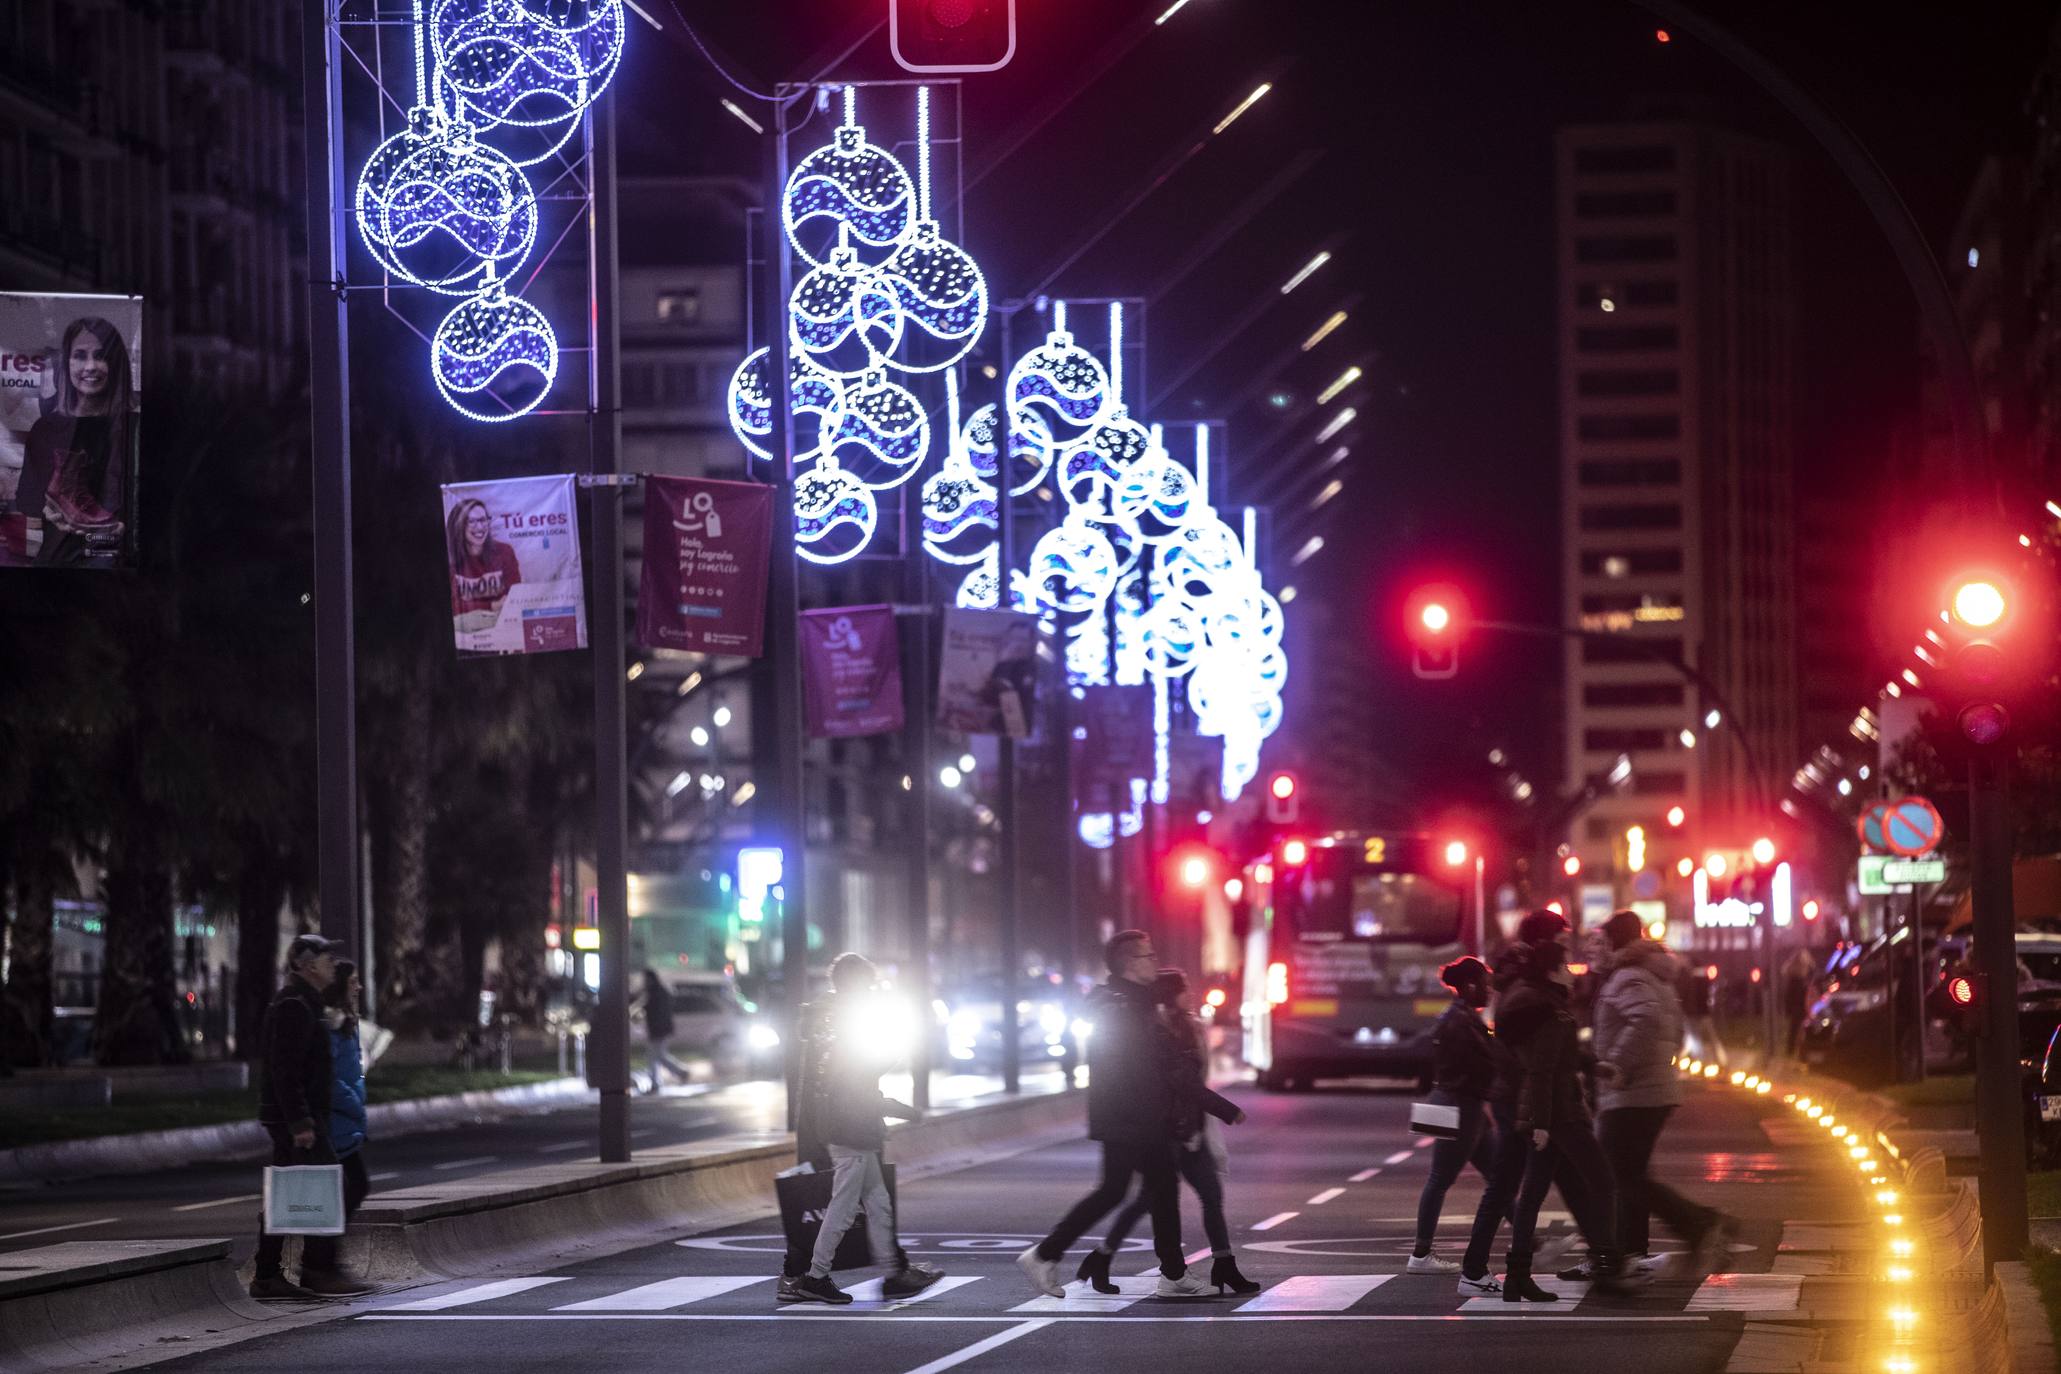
x=1623 y=741
x=1646 y=517
x=1647 y=784
x=1601 y=564
x=640 y=386
x=1608 y=694
x=679 y=306
x=1627 y=338
x=1631 y=472
x=1607 y=428
x=1626 y=248
x=1590 y=295
x=1626 y=649
x=1655 y=381
x=1645 y=157
x=1614 y=204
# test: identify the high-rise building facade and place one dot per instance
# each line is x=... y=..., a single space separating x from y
x=1677 y=509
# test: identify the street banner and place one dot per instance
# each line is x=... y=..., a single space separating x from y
x=707 y=549
x=514 y=553
x=988 y=673
x=1115 y=747
x=851 y=671
x=71 y=407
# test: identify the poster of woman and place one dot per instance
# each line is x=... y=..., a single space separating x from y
x=513 y=550
x=71 y=402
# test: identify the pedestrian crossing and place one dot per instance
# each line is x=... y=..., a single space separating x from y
x=751 y=1296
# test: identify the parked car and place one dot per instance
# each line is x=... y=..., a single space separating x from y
x=1861 y=1027
x=969 y=1017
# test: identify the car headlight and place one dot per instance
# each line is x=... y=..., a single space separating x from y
x=1083 y=1029
x=762 y=1037
x=961 y=1032
x=1870 y=1000
x=1052 y=1021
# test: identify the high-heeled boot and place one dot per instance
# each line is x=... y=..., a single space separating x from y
x=1095 y=1269
x=1223 y=1272
x=1518 y=1285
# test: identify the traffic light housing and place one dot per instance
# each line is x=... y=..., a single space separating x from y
x=1979 y=610
x=929 y=36
x=1434 y=618
x=1284 y=799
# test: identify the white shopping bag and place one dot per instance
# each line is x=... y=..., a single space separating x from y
x=304 y=1200
x=1439 y=1120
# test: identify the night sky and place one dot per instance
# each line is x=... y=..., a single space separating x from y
x=1434 y=121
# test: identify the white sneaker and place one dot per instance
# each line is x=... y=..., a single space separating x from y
x=1189 y=1285
x=1042 y=1273
x=1430 y=1264
x=1487 y=1285
x=1647 y=1264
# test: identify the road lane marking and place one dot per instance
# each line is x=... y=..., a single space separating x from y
x=561 y=1147
x=648 y=1130
x=479 y=1292
x=465 y=1163
x=1320 y=1199
x=1399 y=1157
x=1316 y=1293
x=1500 y=1313
x=1747 y=1293
x=1082 y=1297
x=1198 y=1257
x=1363 y=1175
x=872 y=1290
x=218 y=1202
x=1275 y=1220
x=657 y=1297
x=979 y=1348
x=51 y=1230
x=389 y=1174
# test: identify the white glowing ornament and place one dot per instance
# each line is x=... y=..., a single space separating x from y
x=939 y=286
x=960 y=512
x=1072 y=568
x=882 y=432
x=440 y=209
x=844 y=316
x=505 y=71
x=1030 y=447
x=495 y=356
x=1062 y=379
x=810 y=391
x=834 y=514
x=857 y=187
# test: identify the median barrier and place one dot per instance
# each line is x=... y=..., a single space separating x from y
x=63 y=1306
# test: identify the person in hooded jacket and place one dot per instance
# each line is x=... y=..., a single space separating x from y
x=348 y=1124
x=1464 y=1060
x=1534 y=1020
x=1638 y=1034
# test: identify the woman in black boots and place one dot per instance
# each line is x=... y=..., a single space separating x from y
x=1200 y=1143
x=1536 y=1025
x=1464 y=1070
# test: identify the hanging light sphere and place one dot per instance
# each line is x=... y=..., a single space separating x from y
x=848 y=184
x=592 y=29
x=1030 y=447
x=942 y=291
x=834 y=514
x=494 y=357
x=960 y=515
x=810 y=391
x=1156 y=496
x=1062 y=379
x=1072 y=568
x=510 y=74
x=446 y=212
x=844 y=317
x=883 y=433
x=1091 y=471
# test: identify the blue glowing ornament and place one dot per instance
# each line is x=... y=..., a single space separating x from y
x=1072 y=568
x=834 y=514
x=855 y=186
x=960 y=515
x=844 y=317
x=595 y=29
x=1062 y=379
x=494 y=357
x=506 y=72
x=1091 y=470
x=1030 y=447
x=980 y=589
x=810 y=392
x=943 y=292
x=1156 y=497
x=882 y=433
x=440 y=209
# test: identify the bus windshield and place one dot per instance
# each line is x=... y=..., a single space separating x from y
x=1335 y=898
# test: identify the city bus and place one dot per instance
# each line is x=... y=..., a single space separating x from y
x=1347 y=935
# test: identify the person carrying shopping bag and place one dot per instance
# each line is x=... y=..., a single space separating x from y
x=1464 y=1064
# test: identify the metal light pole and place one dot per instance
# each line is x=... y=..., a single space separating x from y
x=1011 y=856
x=1999 y=1119
x=336 y=673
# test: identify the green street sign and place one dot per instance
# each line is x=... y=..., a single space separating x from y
x=1914 y=871
x=1873 y=881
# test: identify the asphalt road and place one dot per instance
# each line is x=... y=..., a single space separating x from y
x=1322 y=1198
x=209 y=1200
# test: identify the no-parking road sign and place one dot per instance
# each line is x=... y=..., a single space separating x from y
x=1912 y=827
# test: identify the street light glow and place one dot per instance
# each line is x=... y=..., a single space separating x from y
x=1456 y=853
x=1763 y=850
x=1308 y=269
x=1714 y=863
x=1310 y=549
x=1688 y=738
x=749 y=122
x=1331 y=489
x=1228 y=120
x=949 y=776
x=1675 y=815
x=1324 y=331
x=1711 y=718
x=1338 y=422
x=1194 y=870
x=1685 y=867
x=1171 y=11
x=1979 y=603
x=1345 y=379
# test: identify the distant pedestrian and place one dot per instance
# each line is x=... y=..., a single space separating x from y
x=1134 y=1107
x=293 y=1107
x=1464 y=1062
x=1534 y=1020
x=656 y=1002
x=1698 y=990
x=349 y=1126
x=1201 y=1156
x=842 y=1107
x=1638 y=1034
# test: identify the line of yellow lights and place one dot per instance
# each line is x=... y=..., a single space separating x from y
x=1258 y=93
x=1344 y=380
x=1171 y=11
x=1308 y=269
x=1324 y=331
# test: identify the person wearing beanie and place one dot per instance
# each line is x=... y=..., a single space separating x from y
x=1464 y=1072
x=1638 y=1024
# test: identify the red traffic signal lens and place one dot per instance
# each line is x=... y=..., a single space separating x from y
x=1456 y=852
x=1283 y=786
x=1980 y=603
x=1980 y=663
x=1571 y=866
x=1961 y=990
x=1984 y=722
x=1295 y=853
x=1436 y=618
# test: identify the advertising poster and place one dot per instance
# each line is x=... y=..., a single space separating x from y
x=514 y=553
x=988 y=673
x=1117 y=747
x=707 y=548
x=71 y=408
x=851 y=671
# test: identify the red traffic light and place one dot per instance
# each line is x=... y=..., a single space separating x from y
x=1282 y=786
x=1961 y=990
x=1456 y=853
x=1433 y=620
x=1979 y=602
x=1284 y=806
x=951 y=35
x=1571 y=866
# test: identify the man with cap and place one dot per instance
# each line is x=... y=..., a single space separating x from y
x=293 y=1107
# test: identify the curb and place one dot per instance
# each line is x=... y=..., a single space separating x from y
x=89 y=1301
x=147 y=1151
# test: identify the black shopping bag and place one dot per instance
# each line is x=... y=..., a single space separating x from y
x=803 y=1200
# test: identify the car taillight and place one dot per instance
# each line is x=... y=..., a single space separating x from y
x=1277 y=984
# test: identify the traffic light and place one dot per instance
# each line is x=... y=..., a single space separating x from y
x=1433 y=622
x=1763 y=850
x=1962 y=990
x=1571 y=866
x=1456 y=853
x=1979 y=608
x=952 y=35
x=1284 y=804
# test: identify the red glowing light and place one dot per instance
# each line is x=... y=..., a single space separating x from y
x=1961 y=990
x=1283 y=786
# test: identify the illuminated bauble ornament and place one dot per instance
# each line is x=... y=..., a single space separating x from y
x=853 y=186
x=494 y=356
x=1156 y=497
x=960 y=515
x=844 y=317
x=1064 y=381
x=942 y=292
x=449 y=213
x=1091 y=470
x=750 y=398
x=1203 y=560
x=834 y=514
x=882 y=433
x=1030 y=447
x=509 y=74
x=1072 y=568
x=594 y=28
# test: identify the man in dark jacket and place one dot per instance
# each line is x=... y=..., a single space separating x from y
x=840 y=1114
x=293 y=1107
x=1137 y=1096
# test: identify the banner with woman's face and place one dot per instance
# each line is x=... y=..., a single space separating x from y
x=71 y=402
x=514 y=553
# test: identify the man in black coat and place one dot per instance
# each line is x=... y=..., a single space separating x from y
x=293 y=1107
x=1134 y=1106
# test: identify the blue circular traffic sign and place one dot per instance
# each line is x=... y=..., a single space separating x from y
x=1912 y=827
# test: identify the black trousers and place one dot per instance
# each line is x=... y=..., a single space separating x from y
x=1199 y=1167
x=1628 y=1135
x=1476 y=1145
x=317 y=1252
x=1571 y=1150
x=1155 y=1165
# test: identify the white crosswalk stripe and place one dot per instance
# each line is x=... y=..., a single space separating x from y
x=1082 y=1297
x=1316 y=1293
x=872 y=1290
x=1748 y=1293
x=1570 y=1298
x=666 y=1294
x=479 y=1292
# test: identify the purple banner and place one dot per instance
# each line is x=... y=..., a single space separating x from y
x=851 y=671
x=707 y=547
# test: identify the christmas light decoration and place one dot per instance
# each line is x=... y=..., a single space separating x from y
x=883 y=432
x=1062 y=379
x=1030 y=447
x=494 y=340
x=844 y=316
x=961 y=514
x=940 y=288
x=1072 y=568
x=834 y=514
x=498 y=67
x=810 y=392
x=440 y=209
x=856 y=186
